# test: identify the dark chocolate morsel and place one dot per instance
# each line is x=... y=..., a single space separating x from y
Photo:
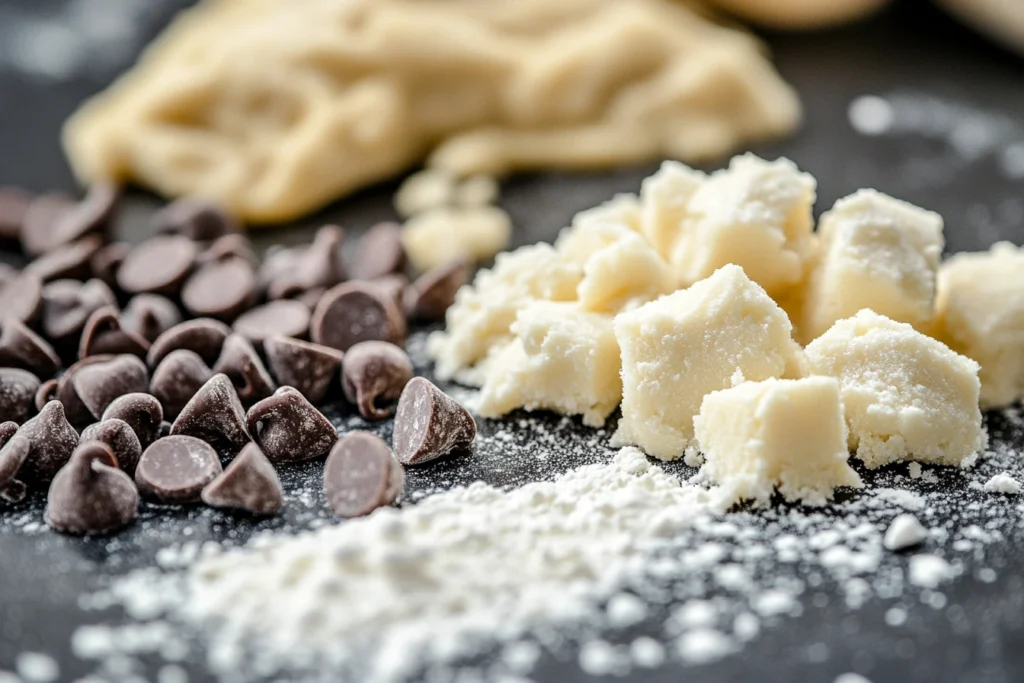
x=158 y=265
x=43 y=213
x=393 y=286
x=177 y=379
x=77 y=412
x=70 y=261
x=17 y=394
x=14 y=203
x=46 y=392
x=300 y=269
x=289 y=429
x=240 y=362
x=22 y=348
x=286 y=317
x=249 y=483
x=7 y=430
x=52 y=440
x=149 y=315
x=204 y=336
x=98 y=384
x=430 y=423
x=375 y=372
x=380 y=252
x=194 y=218
x=309 y=368
x=21 y=297
x=104 y=333
x=220 y=289
x=91 y=215
x=176 y=468
x=106 y=261
x=215 y=415
x=67 y=305
x=361 y=474
x=354 y=312
x=233 y=245
x=311 y=297
x=141 y=412
x=433 y=293
x=121 y=439
x=90 y=495
x=14 y=450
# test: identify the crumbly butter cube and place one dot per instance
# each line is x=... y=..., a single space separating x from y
x=664 y=204
x=623 y=275
x=562 y=359
x=905 y=395
x=980 y=309
x=683 y=346
x=875 y=252
x=777 y=433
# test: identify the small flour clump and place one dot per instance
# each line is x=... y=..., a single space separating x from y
x=1002 y=483
x=904 y=531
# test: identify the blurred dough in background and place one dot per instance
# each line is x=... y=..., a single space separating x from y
x=276 y=108
x=801 y=14
x=999 y=19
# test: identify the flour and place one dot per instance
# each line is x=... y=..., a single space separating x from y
x=904 y=532
x=1002 y=483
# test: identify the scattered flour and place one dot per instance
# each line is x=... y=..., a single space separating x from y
x=904 y=532
x=35 y=667
x=929 y=571
x=1002 y=483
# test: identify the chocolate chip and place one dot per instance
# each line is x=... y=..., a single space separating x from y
x=103 y=333
x=249 y=483
x=287 y=317
x=380 y=252
x=141 y=412
x=158 y=265
x=7 y=430
x=21 y=297
x=77 y=413
x=52 y=440
x=361 y=475
x=72 y=260
x=46 y=392
x=107 y=260
x=98 y=384
x=216 y=416
x=240 y=362
x=354 y=312
x=91 y=215
x=289 y=429
x=434 y=292
x=67 y=305
x=221 y=289
x=14 y=204
x=90 y=496
x=430 y=423
x=205 y=336
x=120 y=437
x=194 y=218
x=311 y=297
x=37 y=224
x=309 y=368
x=17 y=394
x=375 y=372
x=300 y=269
x=393 y=286
x=233 y=245
x=22 y=348
x=176 y=468
x=177 y=379
x=149 y=315
x=14 y=450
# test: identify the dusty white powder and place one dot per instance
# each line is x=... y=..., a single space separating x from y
x=929 y=571
x=1002 y=483
x=36 y=667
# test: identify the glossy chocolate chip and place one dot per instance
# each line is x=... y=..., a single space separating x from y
x=77 y=412
x=249 y=483
x=233 y=245
x=106 y=261
x=311 y=297
x=120 y=437
x=21 y=297
x=430 y=423
x=46 y=392
x=67 y=305
x=393 y=286
x=215 y=415
x=90 y=496
x=22 y=348
x=149 y=315
x=52 y=440
x=42 y=215
x=289 y=429
x=17 y=394
x=301 y=269
x=14 y=450
x=176 y=468
x=240 y=362
x=177 y=379
x=141 y=412
x=380 y=252
x=98 y=384
x=104 y=333
x=159 y=265
x=92 y=214
x=309 y=368
x=287 y=317
x=373 y=375
x=433 y=293
x=71 y=261
x=204 y=336
x=354 y=312
x=14 y=204
x=221 y=289
x=361 y=474
x=194 y=218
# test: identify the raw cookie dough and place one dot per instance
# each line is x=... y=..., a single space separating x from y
x=801 y=14
x=784 y=434
x=274 y=109
x=980 y=306
x=905 y=395
x=441 y=235
x=683 y=346
x=624 y=275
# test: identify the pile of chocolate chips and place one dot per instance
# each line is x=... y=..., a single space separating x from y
x=184 y=370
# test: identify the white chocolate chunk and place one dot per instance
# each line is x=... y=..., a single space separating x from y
x=875 y=252
x=784 y=434
x=664 y=204
x=905 y=395
x=756 y=214
x=439 y=236
x=980 y=306
x=683 y=346
x=624 y=275
x=562 y=359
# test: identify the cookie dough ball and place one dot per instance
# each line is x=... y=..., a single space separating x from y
x=802 y=14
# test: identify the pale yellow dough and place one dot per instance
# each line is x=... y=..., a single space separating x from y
x=276 y=108
x=441 y=235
